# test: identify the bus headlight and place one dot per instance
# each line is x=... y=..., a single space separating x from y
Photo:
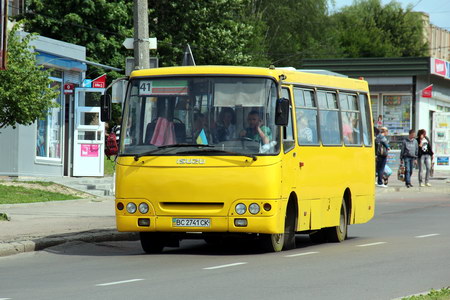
x=131 y=208
x=254 y=208
x=240 y=208
x=143 y=208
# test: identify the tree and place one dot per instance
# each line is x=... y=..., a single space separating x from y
x=294 y=29
x=25 y=93
x=369 y=29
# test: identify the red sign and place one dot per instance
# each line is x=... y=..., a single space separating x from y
x=428 y=91
x=68 y=88
x=99 y=82
x=439 y=67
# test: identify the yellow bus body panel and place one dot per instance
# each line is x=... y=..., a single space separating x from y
x=212 y=190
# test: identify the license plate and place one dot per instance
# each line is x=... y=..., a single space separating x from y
x=190 y=222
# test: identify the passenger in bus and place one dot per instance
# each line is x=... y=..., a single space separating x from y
x=305 y=134
x=256 y=131
x=347 y=128
x=226 y=128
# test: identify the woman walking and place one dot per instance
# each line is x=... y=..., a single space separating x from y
x=425 y=156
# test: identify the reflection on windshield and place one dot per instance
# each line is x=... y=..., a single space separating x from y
x=234 y=115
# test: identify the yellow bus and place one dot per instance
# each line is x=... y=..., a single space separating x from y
x=209 y=151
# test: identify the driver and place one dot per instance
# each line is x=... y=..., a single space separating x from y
x=256 y=131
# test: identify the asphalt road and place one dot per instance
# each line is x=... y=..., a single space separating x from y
x=404 y=250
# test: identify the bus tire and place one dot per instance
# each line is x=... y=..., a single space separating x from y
x=289 y=227
x=152 y=242
x=272 y=242
x=338 y=233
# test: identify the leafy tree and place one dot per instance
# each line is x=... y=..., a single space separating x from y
x=99 y=25
x=369 y=29
x=294 y=29
x=217 y=30
x=25 y=93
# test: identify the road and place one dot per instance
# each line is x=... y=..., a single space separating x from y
x=404 y=250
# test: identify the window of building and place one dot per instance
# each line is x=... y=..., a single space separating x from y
x=49 y=133
x=330 y=131
x=306 y=117
x=374 y=103
x=397 y=113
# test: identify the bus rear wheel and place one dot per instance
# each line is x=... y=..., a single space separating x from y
x=152 y=242
x=338 y=233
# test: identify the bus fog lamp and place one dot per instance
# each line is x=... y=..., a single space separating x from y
x=254 y=208
x=131 y=208
x=143 y=208
x=240 y=208
x=240 y=222
x=267 y=206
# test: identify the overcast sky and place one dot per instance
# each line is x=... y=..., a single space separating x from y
x=438 y=10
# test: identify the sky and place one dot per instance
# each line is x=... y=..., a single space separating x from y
x=438 y=10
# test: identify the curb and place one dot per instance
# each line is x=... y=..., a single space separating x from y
x=442 y=189
x=94 y=236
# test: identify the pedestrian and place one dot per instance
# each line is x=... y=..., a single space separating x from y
x=382 y=148
x=380 y=121
x=425 y=156
x=408 y=154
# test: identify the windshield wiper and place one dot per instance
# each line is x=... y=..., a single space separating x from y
x=137 y=156
x=253 y=157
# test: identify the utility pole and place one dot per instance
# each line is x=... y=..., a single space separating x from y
x=141 y=40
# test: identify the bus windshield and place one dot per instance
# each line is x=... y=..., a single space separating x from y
x=200 y=116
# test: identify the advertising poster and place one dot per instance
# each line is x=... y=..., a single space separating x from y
x=441 y=140
x=88 y=150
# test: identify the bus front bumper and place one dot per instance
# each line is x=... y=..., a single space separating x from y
x=245 y=224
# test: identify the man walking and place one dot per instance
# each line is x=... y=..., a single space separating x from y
x=408 y=154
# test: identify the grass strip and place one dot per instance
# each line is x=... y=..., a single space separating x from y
x=443 y=294
x=17 y=194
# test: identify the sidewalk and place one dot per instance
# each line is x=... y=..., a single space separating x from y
x=36 y=226
x=440 y=183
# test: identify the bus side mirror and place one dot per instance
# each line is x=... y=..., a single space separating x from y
x=282 y=112
x=105 y=108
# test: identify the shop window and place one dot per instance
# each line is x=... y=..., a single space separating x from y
x=397 y=113
x=374 y=103
x=48 y=142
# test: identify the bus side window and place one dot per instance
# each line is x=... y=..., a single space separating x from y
x=288 y=131
x=330 y=131
x=306 y=117
x=351 y=119
x=365 y=118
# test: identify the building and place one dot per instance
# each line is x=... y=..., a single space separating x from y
x=70 y=141
x=438 y=39
x=396 y=86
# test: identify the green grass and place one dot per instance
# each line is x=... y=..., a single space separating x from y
x=109 y=165
x=443 y=294
x=16 y=194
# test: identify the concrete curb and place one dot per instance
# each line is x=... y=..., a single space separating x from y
x=432 y=189
x=94 y=236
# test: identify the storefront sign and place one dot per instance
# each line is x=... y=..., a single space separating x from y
x=442 y=161
x=440 y=67
x=89 y=150
x=99 y=82
x=68 y=88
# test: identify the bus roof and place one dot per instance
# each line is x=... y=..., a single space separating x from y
x=292 y=76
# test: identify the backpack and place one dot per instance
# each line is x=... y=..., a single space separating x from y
x=111 y=147
x=380 y=150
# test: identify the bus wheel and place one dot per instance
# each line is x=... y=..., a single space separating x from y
x=272 y=242
x=339 y=233
x=289 y=227
x=152 y=242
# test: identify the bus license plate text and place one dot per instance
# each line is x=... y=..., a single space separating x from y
x=179 y=222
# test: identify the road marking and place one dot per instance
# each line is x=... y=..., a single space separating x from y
x=117 y=282
x=300 y=254
x=5 y=298
x=426 y=235
x=371 y=244
x=225 y=266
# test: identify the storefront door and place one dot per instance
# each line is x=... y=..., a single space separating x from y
x=89 y=133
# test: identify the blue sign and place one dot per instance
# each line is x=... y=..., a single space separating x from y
x=87 y=83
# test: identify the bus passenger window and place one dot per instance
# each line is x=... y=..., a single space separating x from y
x=307 y=126
x=365 y=118
x=329 y=127
x=351 y=123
